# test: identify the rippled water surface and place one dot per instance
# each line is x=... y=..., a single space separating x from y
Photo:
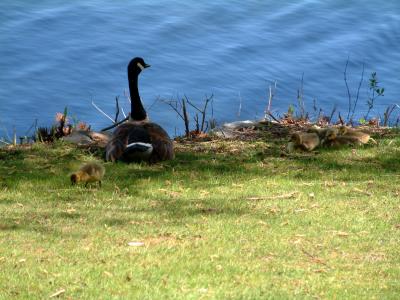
x=58 y=53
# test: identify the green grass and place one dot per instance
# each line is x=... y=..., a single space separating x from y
x=224 y=220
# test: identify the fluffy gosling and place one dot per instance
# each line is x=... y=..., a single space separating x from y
x=87 y=173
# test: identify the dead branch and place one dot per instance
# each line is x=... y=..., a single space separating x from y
x=203 y=111
x=115 y=124
x=332 y=113
x=117 y=109
x=300 y=97
x=127 y=96
x=347 y=86
x=272 y=116
x=240 y=105
x=185 y=118
x=358 y=92
x=174 y=105
x=102 y=112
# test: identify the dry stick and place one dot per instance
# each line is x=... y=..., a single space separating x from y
x=300 y=97
x=14 y=136
x=203 y=112
x=347 y=87
x=283 y=196
x=196 y=119
x=388 y=112
x=185 y=118
x=270 y=97
x=341 y=120
x=358 y=92
x=126 y=94
x=272 y=116
x=240 y=106
x=117 y=109
x=115 y=124
x=314 y=258
x=102 y=112
x=123 y=112
x=154 y=103
x=183 y=115
x=332 y=113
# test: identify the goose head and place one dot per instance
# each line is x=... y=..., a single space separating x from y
x=136 y=66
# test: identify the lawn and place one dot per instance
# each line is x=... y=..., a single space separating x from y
x=224 y=220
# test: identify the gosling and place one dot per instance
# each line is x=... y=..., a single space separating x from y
x=362 y=137
x=87 y=173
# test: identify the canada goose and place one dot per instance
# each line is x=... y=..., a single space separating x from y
x=138 y=139
x=89 y=172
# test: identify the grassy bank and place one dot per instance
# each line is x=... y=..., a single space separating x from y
x=224 y=220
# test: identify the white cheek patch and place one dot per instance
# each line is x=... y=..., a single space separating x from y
x=140 y=66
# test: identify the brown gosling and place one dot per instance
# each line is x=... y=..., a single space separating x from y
x=361 y=136
x=304 y=141
x=87 y=173
x=342 y=140
x=324 y=134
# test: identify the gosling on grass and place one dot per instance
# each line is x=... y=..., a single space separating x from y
x=87 y=173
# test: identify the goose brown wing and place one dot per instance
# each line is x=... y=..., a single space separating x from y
x=151 y=133
x=117 y=144
x=163 y=148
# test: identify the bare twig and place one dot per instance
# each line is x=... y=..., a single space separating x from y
x=14 y=136
x=117 y=109
x=358 y=93
x=127 y=96
x=174 y=105
x=314 y=258
x=154 y=103
x=300 y=97
x=123 y=112
x=272 y=116
x=203 y=111
x=115 y=124
x=271 y=95
x=185 y=118
x=332 y=113
x=388 y=112
x=102 y=112
x=347 y=86
x=240 y=105
x=196 y=119
x=342 y=122
x=4 y=142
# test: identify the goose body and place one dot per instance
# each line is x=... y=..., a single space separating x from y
x=89 y=172
x=138 y=139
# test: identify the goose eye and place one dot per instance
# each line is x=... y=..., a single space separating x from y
x=140 y=66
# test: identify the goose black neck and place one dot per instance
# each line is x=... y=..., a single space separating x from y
x=137 y=110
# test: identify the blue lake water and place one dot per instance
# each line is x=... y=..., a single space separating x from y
x=64 y=53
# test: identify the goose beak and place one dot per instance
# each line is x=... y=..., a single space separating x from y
x=147 y=66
